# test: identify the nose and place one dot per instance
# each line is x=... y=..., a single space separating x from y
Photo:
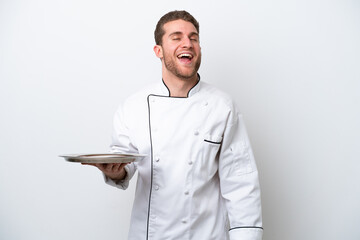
x=186 y=43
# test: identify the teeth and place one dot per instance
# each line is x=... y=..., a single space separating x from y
x=185 y=55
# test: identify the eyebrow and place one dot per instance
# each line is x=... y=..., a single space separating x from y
x=180 y=33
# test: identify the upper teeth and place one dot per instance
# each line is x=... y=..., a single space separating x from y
x=185 y=55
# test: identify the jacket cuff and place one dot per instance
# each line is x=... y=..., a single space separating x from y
x=249 y=233
x=122 y=184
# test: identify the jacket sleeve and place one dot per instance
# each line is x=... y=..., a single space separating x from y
x=239 y=182
x=121 y=143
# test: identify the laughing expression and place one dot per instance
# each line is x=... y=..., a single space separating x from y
x=181 y=52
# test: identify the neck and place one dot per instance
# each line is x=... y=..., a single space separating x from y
x=179 y=87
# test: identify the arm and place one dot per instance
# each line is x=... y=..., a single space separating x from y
x=239 y=182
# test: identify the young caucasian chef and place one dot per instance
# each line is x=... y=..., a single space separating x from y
x=199 y=180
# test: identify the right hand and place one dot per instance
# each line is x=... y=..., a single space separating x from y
x=114 y=171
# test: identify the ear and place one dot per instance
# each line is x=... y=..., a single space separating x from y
x=158 y=51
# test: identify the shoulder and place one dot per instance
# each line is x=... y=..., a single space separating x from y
x=136 y=103
x=215 y=94
x=140 y=97
x=221 y=103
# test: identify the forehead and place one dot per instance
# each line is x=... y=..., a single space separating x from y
x=179 y=26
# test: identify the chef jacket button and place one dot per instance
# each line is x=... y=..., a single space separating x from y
x=157 y=159
x=190 y=162
x=196 y=133
x=205 y=104
x=184 y=221
x=186 y=192
x=156 y=187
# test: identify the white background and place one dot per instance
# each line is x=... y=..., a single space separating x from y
x=292 y=67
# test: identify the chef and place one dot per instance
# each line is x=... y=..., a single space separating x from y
x=199 y=180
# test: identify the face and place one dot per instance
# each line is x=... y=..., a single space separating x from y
x=180 y=50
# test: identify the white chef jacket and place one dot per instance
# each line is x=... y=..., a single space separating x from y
x=199 y=180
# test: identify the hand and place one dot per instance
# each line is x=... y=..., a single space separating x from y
x=114 y=171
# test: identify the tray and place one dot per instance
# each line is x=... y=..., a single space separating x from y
x=104 y=158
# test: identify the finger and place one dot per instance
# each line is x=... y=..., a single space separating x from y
x=123 y=165
x=116 y=167
x=101 y=166
x=110 y=167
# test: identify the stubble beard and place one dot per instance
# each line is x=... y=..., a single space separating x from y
x=170 y=65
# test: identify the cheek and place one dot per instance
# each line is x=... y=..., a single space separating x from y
x=170 y=48
x=198 y=49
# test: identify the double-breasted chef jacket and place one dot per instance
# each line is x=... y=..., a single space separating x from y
x=199 y=180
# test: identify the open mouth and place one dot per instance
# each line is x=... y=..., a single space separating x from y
x=185 y=57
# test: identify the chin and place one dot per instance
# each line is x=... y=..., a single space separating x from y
x=186 y=76
x=187 y=72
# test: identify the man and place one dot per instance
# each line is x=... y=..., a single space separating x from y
x=199 y=180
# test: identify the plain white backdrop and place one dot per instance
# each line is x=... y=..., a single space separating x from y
x=291 y=66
